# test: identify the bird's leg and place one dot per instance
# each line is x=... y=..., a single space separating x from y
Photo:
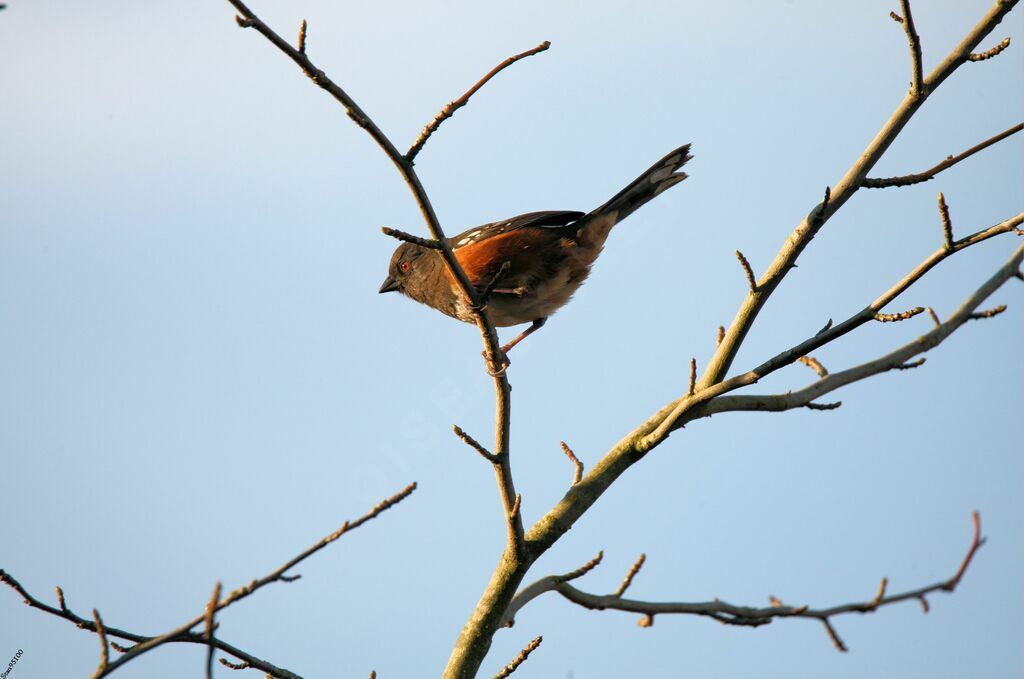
x=536 y=325
x=504 y=359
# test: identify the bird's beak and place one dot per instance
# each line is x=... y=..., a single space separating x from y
x=390 y=285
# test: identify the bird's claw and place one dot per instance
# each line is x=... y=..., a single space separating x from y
x=502 y=358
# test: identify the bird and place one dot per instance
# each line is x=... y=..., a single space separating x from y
x=532 y=263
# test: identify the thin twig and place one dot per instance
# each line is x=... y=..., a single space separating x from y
x=519 y=659
x=823 y=406
x=747 y=271
x=410 y=238
x=821 y=212
x=582 y=570
x=475 y=445
x=693 y=377
x=935 y=316
x=101 y=632
x=916 y=85
x=449 y=110
x=976 y=544
x=577 y=473
x=831 y=631
x=485 y=294
x=514 y=512
x=910 y=365
x=950 y=161
x=988 y=313
x=211 y=609
x=235 y=666
x=947 y=225
x=902 y=316
x=988 y=54
x=302 y=37
x=628 y=580
x=814 y=364
x=880 y=595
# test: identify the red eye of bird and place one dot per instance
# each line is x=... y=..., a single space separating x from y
x=403 y=267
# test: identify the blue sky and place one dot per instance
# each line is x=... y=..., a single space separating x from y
x=198 y=378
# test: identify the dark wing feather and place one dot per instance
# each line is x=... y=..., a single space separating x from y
x=545 y=219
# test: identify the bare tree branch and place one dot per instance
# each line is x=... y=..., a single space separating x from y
x=950 y=161
x=449 y=110
x=545 y=584
x=185 y=633
x=577 y=473
x=519 y=659
x=806 y=230
x=247 y=19
x=633 y=446
x=895 y=360
x=666 y=420
x=302 y=37
x=410 y=238
x=475 y=639
x=902 y=316
x=472 y=443
x=910 y=365
x=211 y=610
x=633 y=570
x=522 y=550
x=234 y=666
x=514 y=512
x=814 y=364
x=747 y=271
x=947 y=224
x=988 y=54
x=488 y=290
x=916 y=84
x=748 y=616
x=988 y=313
x=104 y=647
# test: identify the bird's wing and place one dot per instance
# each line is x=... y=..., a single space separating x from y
x=530 y=243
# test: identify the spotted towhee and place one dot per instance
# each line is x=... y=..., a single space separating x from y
x=548 y=256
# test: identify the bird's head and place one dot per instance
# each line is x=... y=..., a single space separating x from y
x=402 y=268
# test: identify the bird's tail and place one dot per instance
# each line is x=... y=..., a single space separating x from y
x=594 y=227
